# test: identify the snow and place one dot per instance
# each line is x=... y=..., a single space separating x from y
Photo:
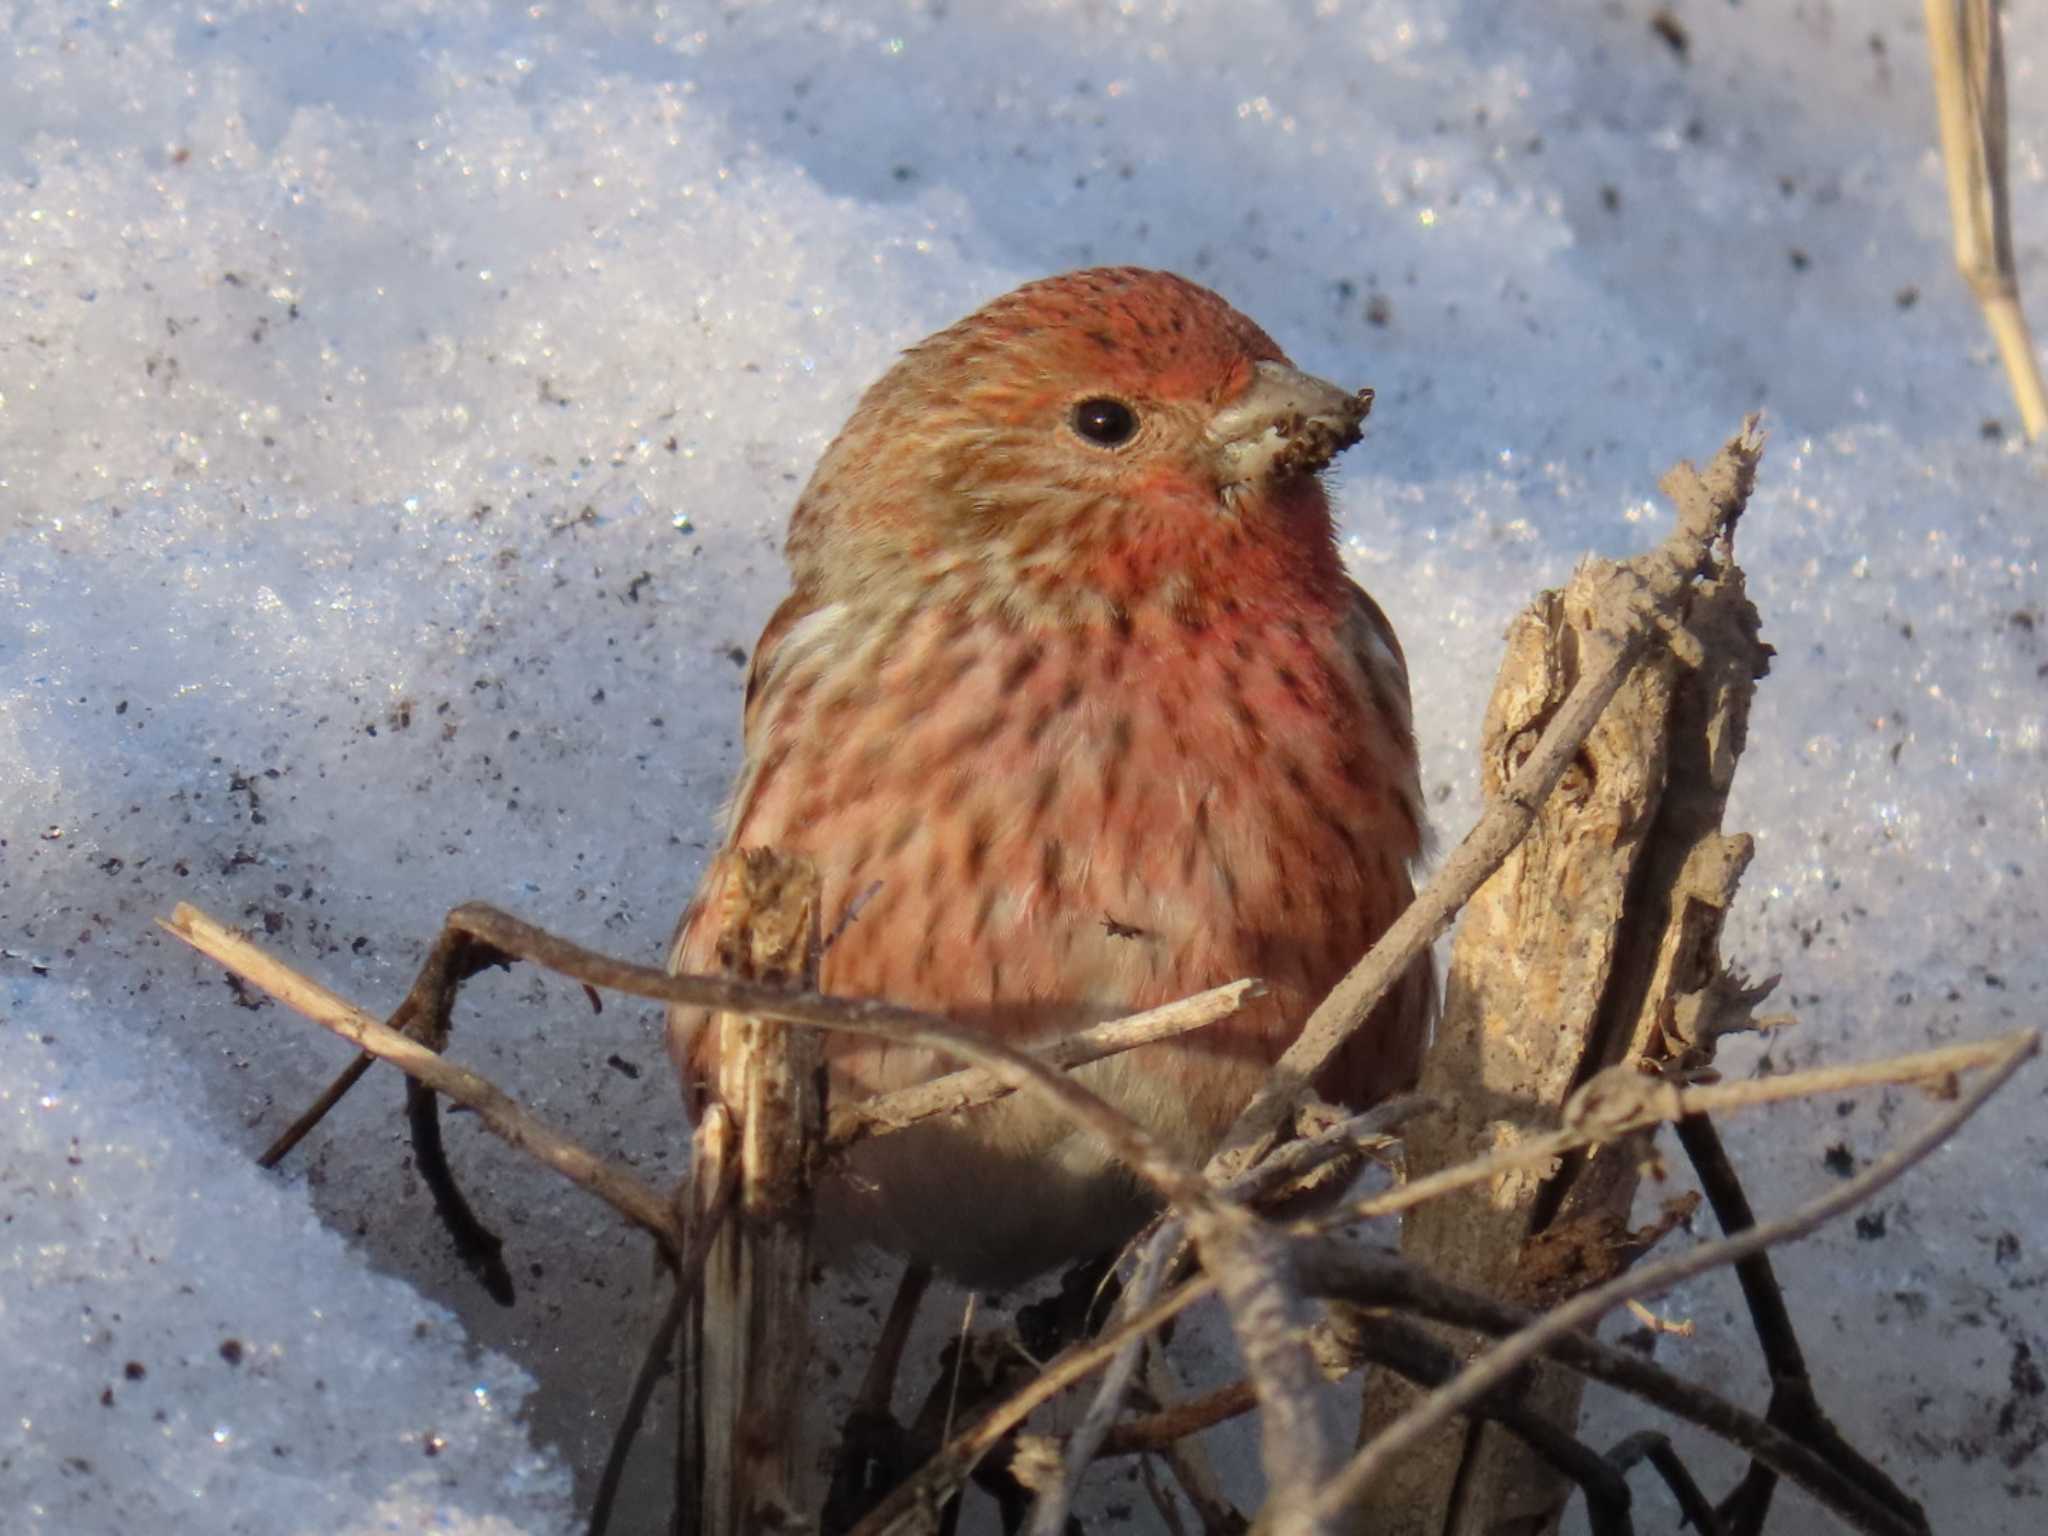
x=399 y=405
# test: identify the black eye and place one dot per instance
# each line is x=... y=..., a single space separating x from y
x=1105 y=421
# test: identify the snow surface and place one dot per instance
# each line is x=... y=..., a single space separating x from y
x=399 y=406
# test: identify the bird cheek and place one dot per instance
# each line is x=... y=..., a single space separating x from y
x=1171 y=492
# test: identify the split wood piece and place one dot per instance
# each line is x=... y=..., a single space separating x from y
x=1968 y=58
x=1593 y=946
x=749 y=1336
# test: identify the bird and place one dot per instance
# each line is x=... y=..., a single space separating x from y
x=1077 y=710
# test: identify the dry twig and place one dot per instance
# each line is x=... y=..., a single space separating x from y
x=1622 y=1107
x=705 y=1208
x=1498 y=1364
x=957 y=1091
x=1968 y=57
x=1657 y=1102
x=504 y=1115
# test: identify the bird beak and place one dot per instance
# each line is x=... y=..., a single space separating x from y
x=1285 y=423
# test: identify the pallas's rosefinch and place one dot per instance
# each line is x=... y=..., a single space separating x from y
x=1074 y=689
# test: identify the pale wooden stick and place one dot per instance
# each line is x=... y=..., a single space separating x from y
x=504 y=1115
x=1499 y=1363
x=1619 y=1101
x=905 y=1107
x=1968 y=58
x=746 y=1377
x=701 y=1224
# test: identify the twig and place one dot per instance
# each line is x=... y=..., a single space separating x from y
x=1162 y=1501
x=1649 y=1445
x=500 y=931
x=878 y=1386
x=1144 y=1154
x=512 y=1121
x=950 y=1467
x=317 y=1111
x=1411 y=1352
x=1397 y=1283
x=1176 y=1421
x=1296 y=1159
x=702 y=1228
x=1704 y=516
x=1968 y=57
x=1794 y=1406
x=1392 y=1282
x=904 y=1107
x=1049 y=1513
x=1290 y=1161
x=1631 y=1102
x=1499 y=1363
x=897 y=1514
x=1186 y=1459
x=481 y=1250
x=1252 y=1263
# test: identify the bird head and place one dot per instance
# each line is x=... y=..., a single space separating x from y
x=1079 y=446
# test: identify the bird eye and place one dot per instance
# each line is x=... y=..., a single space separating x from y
x=1106 y=422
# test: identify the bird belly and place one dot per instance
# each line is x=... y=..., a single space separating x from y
x=1035 y=834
